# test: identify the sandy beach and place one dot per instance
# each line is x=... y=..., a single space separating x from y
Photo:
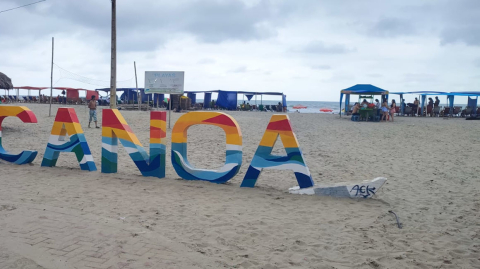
x=63 y=217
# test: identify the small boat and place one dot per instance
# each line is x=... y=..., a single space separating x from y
x=326 y=110
x=299 y=107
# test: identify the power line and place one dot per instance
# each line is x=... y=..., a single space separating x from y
x=97 y=82
x=22 y=6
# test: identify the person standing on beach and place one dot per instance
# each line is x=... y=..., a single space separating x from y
x=415 y=106
x=385 y=111
x=378 y=108
x=437 y=102
x=93 y=111
x=393 y=109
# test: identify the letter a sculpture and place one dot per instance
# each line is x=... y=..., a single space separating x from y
x=263 y=159
x=67 y=136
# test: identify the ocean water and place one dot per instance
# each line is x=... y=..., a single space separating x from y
x=312 y=106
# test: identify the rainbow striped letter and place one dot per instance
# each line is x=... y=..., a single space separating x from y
x=279 y=125
x=234 y=147
x=27 y=116
x=66 y=122
x=115 y=127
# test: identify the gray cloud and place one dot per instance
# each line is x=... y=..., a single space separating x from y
x=277 y=38
x=241 y=69
x=340 y=77
x=468 y=34
x=318 y=47
x=461 y=22
x=321 y=67
x=206 y=61
x=419 y=77
x=476 y=62
x=144 y=25
x=391 y=27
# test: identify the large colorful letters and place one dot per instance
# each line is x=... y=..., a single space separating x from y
x=66 y=123
x=67 y=136
x=234 y=147
x=279 y=125
x=25 y=115
x=115 y=127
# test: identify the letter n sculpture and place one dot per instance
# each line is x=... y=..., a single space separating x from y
x=114 y=127
x=25 y=115
x=263 y=159
x=67 y=136
x=234 y=147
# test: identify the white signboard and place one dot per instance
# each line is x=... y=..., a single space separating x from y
x=164 y=82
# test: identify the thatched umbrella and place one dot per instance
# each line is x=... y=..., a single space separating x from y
x=5 y=82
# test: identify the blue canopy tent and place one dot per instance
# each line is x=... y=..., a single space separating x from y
x=127 y=95
x=450 y=97
x=193 y=97
x=360 y=89
x=207 y=100
x=423 y=95
x=229 y=99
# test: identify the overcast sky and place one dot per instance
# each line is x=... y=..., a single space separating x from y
x=309 y=50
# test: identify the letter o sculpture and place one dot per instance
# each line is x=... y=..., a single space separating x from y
x=234 y=147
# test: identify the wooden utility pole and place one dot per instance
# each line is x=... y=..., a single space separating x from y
x=139 y=96
x=51 y=84
x=113 y=68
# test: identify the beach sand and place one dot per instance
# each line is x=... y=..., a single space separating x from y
x=63 y=217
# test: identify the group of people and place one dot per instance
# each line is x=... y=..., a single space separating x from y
x=416 y=104
x=383 y=109
x=387 y=111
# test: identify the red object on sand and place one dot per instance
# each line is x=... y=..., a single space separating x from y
x=299 y=107
x=326 y=110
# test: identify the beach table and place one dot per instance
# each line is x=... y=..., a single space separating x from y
x=366 y=113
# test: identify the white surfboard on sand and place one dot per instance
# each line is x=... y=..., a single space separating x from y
x=364 y=189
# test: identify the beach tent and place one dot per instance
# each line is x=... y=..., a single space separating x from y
x=229 y=100
x=89 y=93
x=193 y=97
x=30 y=88
x=207 y=100
x=360 y=89
x=73 y=94
x=450 y=98
x=127 y=95
x=422 y=94
x=131 y=94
